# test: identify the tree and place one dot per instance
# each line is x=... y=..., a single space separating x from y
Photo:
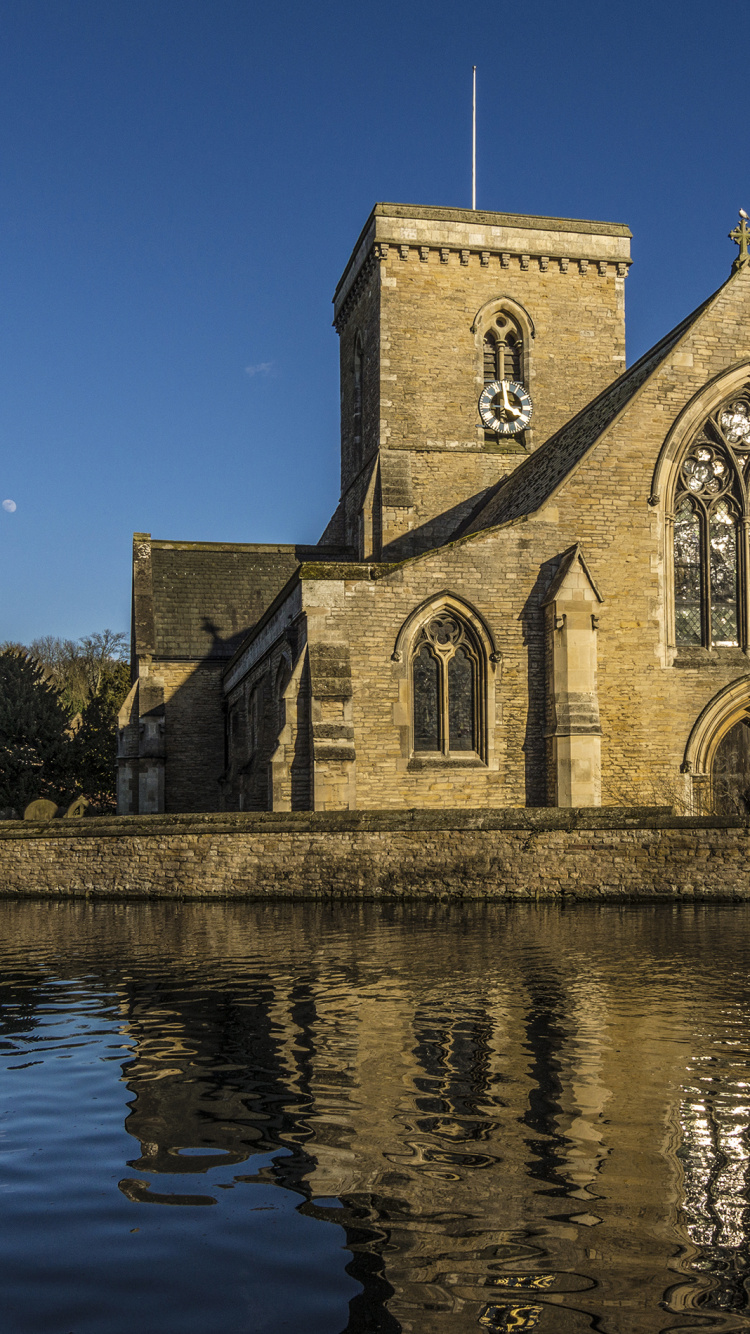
x=76 y=667
x=94 y=745
x=34 y=745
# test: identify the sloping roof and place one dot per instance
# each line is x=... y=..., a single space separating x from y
x=538 y=476
x=208 y=596
x=573 y=556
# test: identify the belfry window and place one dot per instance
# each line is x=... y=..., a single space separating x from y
x=710 y=500
x=503 y=350
x=445 y=688
x=357 y=396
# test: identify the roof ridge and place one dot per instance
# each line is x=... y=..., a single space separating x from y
x=599 y=413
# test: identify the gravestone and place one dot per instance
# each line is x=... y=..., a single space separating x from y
x=41 y=809
x=76 y=809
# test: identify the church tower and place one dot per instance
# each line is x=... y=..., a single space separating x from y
x=434 y=306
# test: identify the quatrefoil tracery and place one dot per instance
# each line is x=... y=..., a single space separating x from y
x=734 y=421
x=704 y=471
x=716 y=462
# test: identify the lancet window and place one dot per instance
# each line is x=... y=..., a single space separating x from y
x=711 y=500
x=503 y=350
x=446 y=688
x=357 y=404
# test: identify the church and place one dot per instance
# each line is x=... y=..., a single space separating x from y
x=535 y=587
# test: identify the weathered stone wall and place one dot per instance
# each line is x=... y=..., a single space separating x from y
x=526 y=854
x=417 y=280
x=194 y=734
x=650 y=694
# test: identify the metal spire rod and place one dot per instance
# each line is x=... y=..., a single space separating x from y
x=474 y=143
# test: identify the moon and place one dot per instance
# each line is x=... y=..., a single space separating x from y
x=10 y=506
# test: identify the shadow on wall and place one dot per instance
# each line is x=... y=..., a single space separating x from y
x=177 y=712
x=534 y=742
x=436 y=532
x=268 y=736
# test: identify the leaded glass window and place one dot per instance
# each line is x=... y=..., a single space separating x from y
x=461 y=701
x=710 y=500
x=426 y=700
x=722 y=538
x=687 y=575
x=445 y=688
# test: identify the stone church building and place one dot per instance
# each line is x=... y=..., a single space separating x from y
x=535 y=587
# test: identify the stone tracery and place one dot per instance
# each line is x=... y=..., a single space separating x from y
x=711 y=500
x=446 y=687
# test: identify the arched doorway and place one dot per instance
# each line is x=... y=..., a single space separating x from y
x=717 y=755
x=730 y=771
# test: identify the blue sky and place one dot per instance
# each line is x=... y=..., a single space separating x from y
x=181 y=183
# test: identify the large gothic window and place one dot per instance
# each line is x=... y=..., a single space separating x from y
x=711 y=499
x=446 y=693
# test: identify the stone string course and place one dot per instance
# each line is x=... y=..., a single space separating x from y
x=382 y=251
x=605 y=853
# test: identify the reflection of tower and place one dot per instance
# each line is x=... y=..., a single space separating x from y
x=500 y=1116
x=449 y=1115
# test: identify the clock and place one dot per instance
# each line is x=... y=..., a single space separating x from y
x=505 y=407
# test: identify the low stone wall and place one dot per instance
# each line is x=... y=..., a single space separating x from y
x=524 y=853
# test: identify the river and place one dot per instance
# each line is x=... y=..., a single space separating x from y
x=250 y=1118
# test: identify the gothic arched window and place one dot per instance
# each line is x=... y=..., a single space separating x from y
x=446 y=687
x=503 y=350
x=357 y=397
x=710 y=500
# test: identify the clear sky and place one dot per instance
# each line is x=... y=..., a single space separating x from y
x=181 y=183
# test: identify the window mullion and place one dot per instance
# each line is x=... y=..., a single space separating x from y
x=478 y=697
x=706 y=577
x=742 y=583
x=444 y=733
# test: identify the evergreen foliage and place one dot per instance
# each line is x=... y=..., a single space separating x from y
x=59 y=701
x=34 y=744
x=94 y=745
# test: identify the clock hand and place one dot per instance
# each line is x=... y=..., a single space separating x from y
x=514 y=412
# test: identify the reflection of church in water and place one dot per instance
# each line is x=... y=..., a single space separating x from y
x=475 y=1131
x=535 y=587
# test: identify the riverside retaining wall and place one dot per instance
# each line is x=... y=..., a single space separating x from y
x=523 y=853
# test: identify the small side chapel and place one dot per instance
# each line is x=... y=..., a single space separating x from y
x=535 y=587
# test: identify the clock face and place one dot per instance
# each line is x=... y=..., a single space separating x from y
x=505 y=407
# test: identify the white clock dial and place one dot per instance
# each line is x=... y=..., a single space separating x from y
x=505 y=407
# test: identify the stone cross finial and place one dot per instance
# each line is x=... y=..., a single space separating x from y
x=741 y=236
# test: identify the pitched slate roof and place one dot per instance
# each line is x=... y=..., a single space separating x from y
x=208 y=596
x=538 y=476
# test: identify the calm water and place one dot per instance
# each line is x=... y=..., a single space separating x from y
x=227 y=1119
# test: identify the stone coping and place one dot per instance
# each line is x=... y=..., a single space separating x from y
x=466 y=217
x=489 y=218
x=532 y=819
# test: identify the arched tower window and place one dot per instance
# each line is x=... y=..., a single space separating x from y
x=503 y=350
x=447 y=671
x=357 y=396
x=711 y=499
